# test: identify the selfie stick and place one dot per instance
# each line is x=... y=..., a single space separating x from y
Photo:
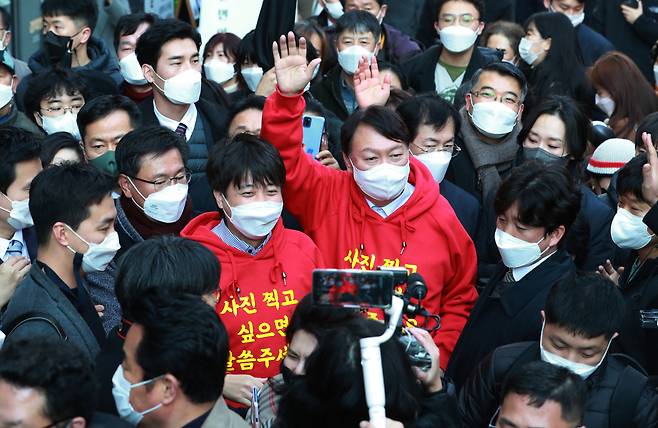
x=371 y=362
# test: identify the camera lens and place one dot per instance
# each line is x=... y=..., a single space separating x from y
x=307 y=122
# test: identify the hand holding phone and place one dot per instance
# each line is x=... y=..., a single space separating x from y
x=255 y=412
x=313 y=127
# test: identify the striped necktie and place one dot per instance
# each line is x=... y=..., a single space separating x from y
x=15 y=248
x=181 y=130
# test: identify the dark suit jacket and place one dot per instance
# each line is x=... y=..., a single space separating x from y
x=327 y=91
x=466 y=206
x=419 y=70
x=512 y=317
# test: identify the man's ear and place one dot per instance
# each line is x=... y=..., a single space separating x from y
x=125 y=186
x=469 y=102
x=436 y=26
x=556 y=236
x=543 y=316
x=37 y=117
x=59 y=233
x=149 y=73
x=14 y=83
x=171 y=389
x=546 y=44
x=382 y=11
x=520 y=114
x=218 y=199
x=480 y=28
x=547 y=4
x=85 y=35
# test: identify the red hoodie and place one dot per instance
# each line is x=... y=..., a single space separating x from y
x=258 y=293
x=423 y=235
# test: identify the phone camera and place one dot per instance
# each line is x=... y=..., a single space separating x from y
x=307 y=122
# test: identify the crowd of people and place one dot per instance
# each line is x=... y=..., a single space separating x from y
x=165 y=200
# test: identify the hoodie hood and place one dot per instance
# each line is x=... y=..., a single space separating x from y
x=425 y=196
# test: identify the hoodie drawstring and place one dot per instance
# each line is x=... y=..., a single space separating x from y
x=233 y=287
x=405 y=227
x=278 y=266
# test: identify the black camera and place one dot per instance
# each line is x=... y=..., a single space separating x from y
x=306 y=122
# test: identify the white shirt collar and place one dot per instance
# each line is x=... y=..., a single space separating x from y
x=4 y=244
x=519 y=273
x=189 y=120
x=396 y=203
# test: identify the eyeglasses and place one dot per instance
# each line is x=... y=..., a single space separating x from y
x=490 y=95
x=454 y=150
x=465 y=19
x=162 y=183
x=59 y=111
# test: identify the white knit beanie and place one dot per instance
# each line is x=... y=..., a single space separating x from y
x=611 y=156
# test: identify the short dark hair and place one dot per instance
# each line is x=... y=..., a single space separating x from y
x=503 y=69
x=48 y=84
x=149 y=45
x=81 y=185
x=57 y=369
x=251 y=102
x=150 y=140
x=168 y=263
x=383 y=120
x=478 y=4
x=245 y=156
x=182 y=336
x=358 y=21
x=6 y=18
x=542 y=382
x=428 y=109
x=128 y=24
x=84 y=12
x=53 y=143
x=629 y=179
x=230 y=42
x=101 y=107
x=16 y=145
x=649 y=125
x=586 y=304
x=545 y=197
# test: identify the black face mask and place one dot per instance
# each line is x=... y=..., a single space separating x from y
x=288 y=376
x=58 y=49
x=542 y=156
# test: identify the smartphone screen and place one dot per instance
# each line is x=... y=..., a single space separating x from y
x=313 y=127
x=352 y=288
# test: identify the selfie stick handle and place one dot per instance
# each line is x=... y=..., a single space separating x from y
x=371 y=362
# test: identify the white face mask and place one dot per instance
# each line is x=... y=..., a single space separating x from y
x=98 y=256
x=121 y=392
x=516 y=252
x=349 y=58
x=19 y=215
x=166 y=205
x=131 y=70
x=493 y=119
x=437 y=162
x=383 y=182
x=6 y=93
x=526 y=53
x=255 y=219
x=606 y=104
x=580 y=369
x=576 y=20
x=457 y=38
x=64 y=123
x=335 y=10
x=183 y=88
x=219 y=71
x=252 y=77
x=629 y=231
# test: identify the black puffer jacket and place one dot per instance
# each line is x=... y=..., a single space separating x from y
x=610 y=387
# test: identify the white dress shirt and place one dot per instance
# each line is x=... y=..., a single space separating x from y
x=189 y=120
x=396 y=203
x=520 y=272
x=4 y=244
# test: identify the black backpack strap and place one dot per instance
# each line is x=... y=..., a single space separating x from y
x=625 y=398
x=34 y=316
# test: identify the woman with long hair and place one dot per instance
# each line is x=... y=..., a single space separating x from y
x=552 y=60
x=622 y=93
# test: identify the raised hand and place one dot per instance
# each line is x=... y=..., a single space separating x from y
x=12 y=273
x=368 y=89
x=293 y=73
x=608 y=271
x=650 y=171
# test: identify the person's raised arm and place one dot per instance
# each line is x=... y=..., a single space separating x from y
x=308 y=182
x=650 y=182
x=368 y=89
